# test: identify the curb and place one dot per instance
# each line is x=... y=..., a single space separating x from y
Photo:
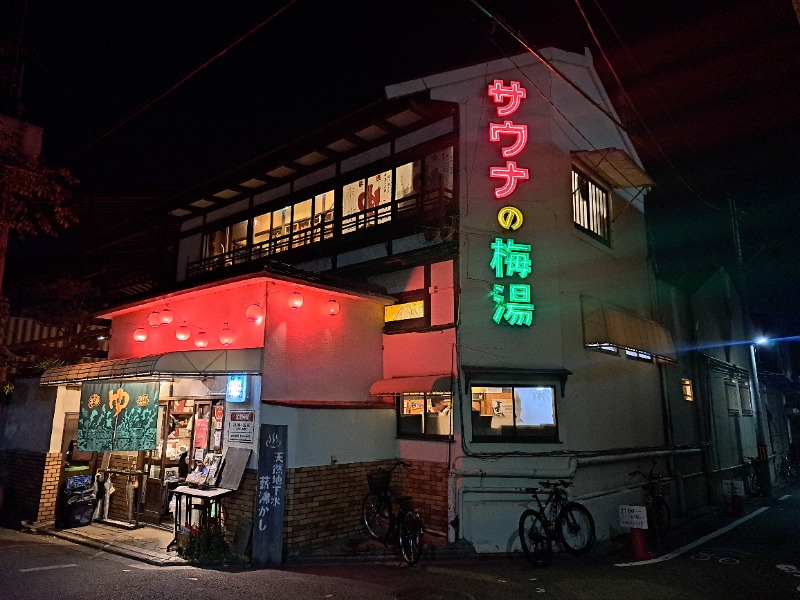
x=132 y=552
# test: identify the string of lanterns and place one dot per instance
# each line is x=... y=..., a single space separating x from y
x=253 y=314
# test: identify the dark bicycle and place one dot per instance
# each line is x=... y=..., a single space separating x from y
x=557 y=519
x=752 y=484
x=656 y=489
x=380 y=520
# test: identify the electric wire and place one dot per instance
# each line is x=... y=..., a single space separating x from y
x=689 y=186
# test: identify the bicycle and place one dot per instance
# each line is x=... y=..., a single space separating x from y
x=752 y=485
x=380 y=520
x=656 y=487
x=788 y=469
x=557 y=519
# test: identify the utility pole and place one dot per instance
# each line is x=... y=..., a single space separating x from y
x=762 y=467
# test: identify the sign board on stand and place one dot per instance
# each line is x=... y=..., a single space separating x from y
x=270 y=496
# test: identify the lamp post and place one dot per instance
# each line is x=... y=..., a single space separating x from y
x=762 y=466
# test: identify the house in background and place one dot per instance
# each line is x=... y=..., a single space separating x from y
x=457 y=277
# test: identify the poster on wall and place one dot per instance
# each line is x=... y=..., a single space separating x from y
x=118 y=416
x=270 y=496
x=241 y=427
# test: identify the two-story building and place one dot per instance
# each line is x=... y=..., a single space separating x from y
x=476 y=241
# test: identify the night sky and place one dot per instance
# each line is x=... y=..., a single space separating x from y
x=710 y=90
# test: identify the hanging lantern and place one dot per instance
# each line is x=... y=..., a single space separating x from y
x=333 y=307
x=226 y=336
x=201 y=339
x=183 y=332
x=166 y=316
x=254 y=313
x=295 y=300
x=140 y=334
x=154 y=319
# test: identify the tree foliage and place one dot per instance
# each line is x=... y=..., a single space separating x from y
x=33 y=197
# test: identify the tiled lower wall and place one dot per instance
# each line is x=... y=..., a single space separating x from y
x=30 y=485
x=324 y=502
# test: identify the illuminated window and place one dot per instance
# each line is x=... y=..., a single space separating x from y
x=367 y=202
x=424 y=414
x=524 y=413
x=228 y=243
x=590 y=208
x=688 y=392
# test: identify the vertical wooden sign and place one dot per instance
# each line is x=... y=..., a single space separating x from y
x=270 y=496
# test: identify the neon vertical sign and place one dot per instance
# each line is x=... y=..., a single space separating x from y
x=511 y=260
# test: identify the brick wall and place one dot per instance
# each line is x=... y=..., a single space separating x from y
x=22 y=476
x=426 y=482
x=51 y=479
x=240 y=504
x=324 y=502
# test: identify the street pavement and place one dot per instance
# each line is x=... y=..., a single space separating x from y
x=149 y=544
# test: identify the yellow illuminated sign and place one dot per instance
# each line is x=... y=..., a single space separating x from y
x=406 y=310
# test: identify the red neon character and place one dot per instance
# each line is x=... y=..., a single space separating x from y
x=511 y=174
x=508 y=128
x=513 y=94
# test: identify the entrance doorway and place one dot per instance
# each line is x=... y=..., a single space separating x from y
x=188 y=429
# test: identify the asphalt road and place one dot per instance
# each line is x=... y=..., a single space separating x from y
x=752 y=556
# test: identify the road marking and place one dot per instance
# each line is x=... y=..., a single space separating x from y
x=696 y=543
x=46 y=568
x=786 y=497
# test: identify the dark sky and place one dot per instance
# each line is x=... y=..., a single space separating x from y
x=713 y=89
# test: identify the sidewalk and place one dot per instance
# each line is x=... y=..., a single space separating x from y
x=149 y=544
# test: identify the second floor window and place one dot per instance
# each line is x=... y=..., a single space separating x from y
x=590 y=207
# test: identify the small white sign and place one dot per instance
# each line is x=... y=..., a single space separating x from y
x=634 y=517
x=731 y=487
x=241 y=426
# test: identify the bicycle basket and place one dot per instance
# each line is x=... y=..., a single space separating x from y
x=379 y=481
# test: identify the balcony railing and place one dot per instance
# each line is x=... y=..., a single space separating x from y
x=417 y=207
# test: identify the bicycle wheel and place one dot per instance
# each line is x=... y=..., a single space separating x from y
x=534 y=539
x=377 y=516
x=660 y=515
x=409 y=530
x=575 y=528
x=753 y=485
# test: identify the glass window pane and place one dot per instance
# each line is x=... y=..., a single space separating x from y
x=439 y=173
x=216 y=243
x=408 y=179
x=301 y=223
x=535 y=406
x=350 y=200
x=378 y=197
x=262 y=226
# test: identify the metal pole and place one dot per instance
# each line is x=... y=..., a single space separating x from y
x=762 y=467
